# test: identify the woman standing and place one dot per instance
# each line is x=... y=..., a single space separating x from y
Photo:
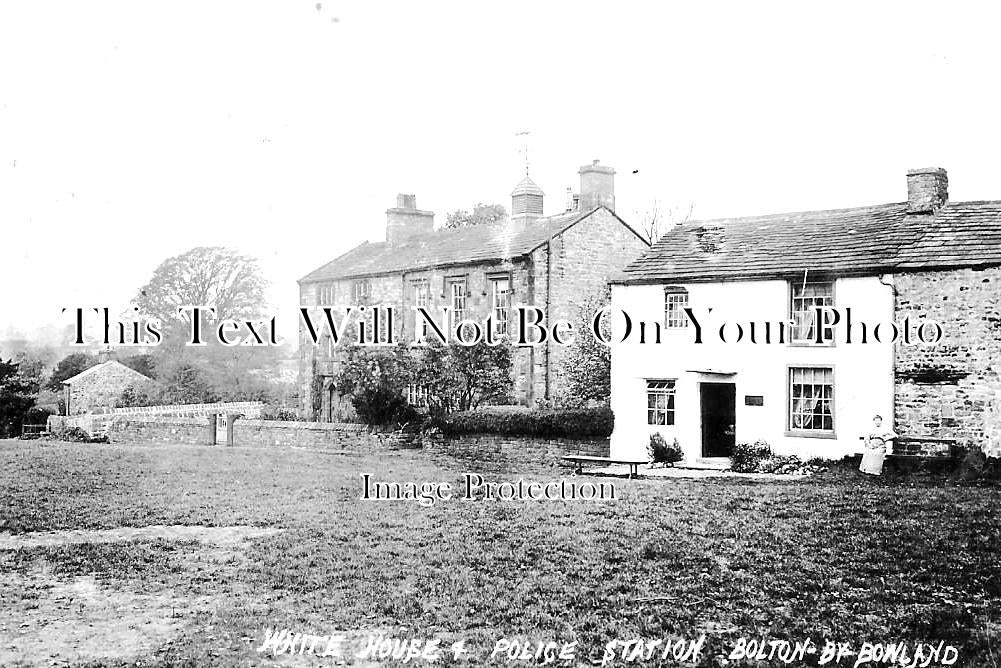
x=877 y=447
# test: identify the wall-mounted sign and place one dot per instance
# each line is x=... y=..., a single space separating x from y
x=753 y=400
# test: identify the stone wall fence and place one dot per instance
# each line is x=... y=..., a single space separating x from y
x=492 y=448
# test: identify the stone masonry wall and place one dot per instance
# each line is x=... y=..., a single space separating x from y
x=255 y=433
x=101 y=389
x=584 y=258
x=386 y=290
x=952 y=390
x=397 y=290
x=572 y=266
x=514 y=450
x=342 y=436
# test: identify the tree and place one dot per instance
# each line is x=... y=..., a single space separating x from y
x=144 y=363
x=482 y=213
x=587 y=367
x=375 y=379
x=458 y=378
x=17 y=396
x=231 y=283
x=657 y=220
x=68 y=367
x=184 y=383
x=206 y=276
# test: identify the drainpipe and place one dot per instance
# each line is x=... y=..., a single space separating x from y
x=893 y=366
x=549 y=307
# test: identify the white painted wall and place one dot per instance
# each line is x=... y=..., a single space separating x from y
x=863 y=374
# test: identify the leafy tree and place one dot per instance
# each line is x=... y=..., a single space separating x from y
x=376 y=379
x=68 y=367
x=141 y=395
x=184 y=383
x=31 y=367
x=17 y=396
x=144 y=363
x=481 y=213
x=206 y=276
x=459 y=378
x=233 y=284
x=587 y=367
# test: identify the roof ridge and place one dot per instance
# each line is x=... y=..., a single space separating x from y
x=973 y=201
x=851 y=209
x=495 y=240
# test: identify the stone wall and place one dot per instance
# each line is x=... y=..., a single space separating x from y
x=516 y=450
x=488 y=448
x=953 y=389
x=582 y=260
x=100 y=389
x=255 y=433
x=555 y=277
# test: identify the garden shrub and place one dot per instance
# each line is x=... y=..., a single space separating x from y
x=78 y=435
x=663 y=453
x=747 y=457
x=773 y=463
x=518 y=421
x=279 y=414
x=38 y=415
x=976 y=465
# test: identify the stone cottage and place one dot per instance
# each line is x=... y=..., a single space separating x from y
x=773 y=372
x=551 y=262
x=98 y=388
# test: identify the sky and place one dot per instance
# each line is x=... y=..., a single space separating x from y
x=133 y=131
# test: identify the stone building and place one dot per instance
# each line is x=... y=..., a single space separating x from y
x=815 y=391
x=551 y=262
x=98 y=388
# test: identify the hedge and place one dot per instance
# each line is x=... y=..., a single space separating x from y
x=517 y=421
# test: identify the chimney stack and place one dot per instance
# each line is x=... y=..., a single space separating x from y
x=927 y=189
x=406 y=220
x=597 y=186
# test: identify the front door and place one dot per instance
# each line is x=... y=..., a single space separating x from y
x=719 y=417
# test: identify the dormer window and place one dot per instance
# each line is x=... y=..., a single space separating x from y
x=805 y=298
x=675 y=303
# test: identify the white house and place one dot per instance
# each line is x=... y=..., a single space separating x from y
x=766 y=375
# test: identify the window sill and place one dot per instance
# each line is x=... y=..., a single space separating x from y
x=807 y=433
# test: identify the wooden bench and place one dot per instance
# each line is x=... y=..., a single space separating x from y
x=913 y=450
x=580 y=460
x=33 y=431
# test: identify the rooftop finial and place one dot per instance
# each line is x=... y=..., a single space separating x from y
x=524 y=146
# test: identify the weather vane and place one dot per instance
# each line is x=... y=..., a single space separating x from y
x=524 y=133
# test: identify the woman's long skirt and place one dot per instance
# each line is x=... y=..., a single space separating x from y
x=872 y=460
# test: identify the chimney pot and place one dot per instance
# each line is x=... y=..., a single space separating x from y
x=927 y=189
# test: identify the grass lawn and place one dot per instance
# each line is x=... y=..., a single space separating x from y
x=828 y=558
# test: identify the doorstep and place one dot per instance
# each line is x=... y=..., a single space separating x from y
x=705 y=464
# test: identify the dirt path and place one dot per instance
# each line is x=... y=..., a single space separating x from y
x=230 y=536
x=46 y=620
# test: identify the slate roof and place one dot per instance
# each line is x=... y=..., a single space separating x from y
x=98 y=367
x=843 y=242
x=442 y=248
x=527 y=187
